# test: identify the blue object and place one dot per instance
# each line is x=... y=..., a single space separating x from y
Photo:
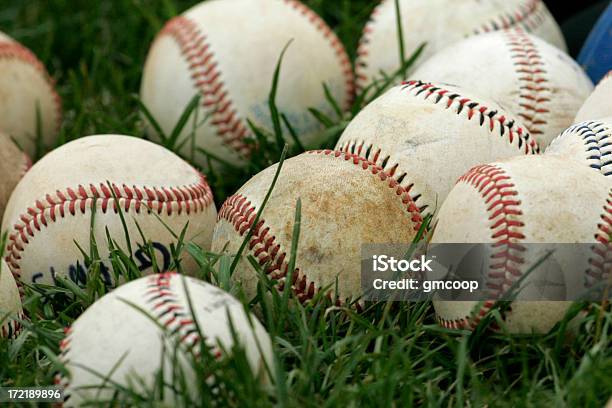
x=596 y=54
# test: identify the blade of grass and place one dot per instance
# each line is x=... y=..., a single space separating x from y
x=152 y=121
x=295 y=237
x=293 y=134
x=182 y=122
x=276 y=123
x=400 y=37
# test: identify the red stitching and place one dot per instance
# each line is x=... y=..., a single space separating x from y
x=336 y=44
x=206 y=76
x=528 y=15
x=375 y=155
x=208 y=79
x=499 y=193
x=165 y=307
x=361 y=64
x=599 y=270
x=13 y=49
x=446 y=99
x=239 y=212
x=486 y=116
x=169 y=200
x=531 y=70
x=10 y=327
x=171 y=314
x=64 y=348
x=26 y=165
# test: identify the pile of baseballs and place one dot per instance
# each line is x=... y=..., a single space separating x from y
x=497 y=134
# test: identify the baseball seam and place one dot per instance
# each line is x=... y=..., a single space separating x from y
x=447 y=100
x=166 y=309
x=361 y=64
x=14 y=50
x=528 y=15
x=63 y=357
x=335 y=43
x=596 y=137
x=487 y=117
x=382 y=159
x=171 y=314
x=503 y=205
x=12 y=327
x=241 y=214
x=207 y=77
x=70 y=201
x=599 y=270
x=530 y=69
x=26 y=165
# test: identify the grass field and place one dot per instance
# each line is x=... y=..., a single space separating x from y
x=391 y=354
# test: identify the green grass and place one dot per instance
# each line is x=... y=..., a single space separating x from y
x=391 y=354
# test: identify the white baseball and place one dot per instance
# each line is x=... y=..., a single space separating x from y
x=13 y=165
x=10 y=303
x=427 y=135
x=129 y=349
x=346 y=202
x=599 y=104
x=51 y=208
x=227 y=51
x=26 y=89
x=588 y=142
x=526 y=200
x=440 y=23
x=538 y=82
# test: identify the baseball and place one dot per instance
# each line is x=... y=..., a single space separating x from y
x=538 y=82
x=26 y=89
x=427 y=135
x=440 y=23
x=346 y=201
x=233 y=71
x=588 y=142
x=158 y=312
x=52 y=207
x=599 y=104
x=10 y=303
x=512 y=203
x=13 y=165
